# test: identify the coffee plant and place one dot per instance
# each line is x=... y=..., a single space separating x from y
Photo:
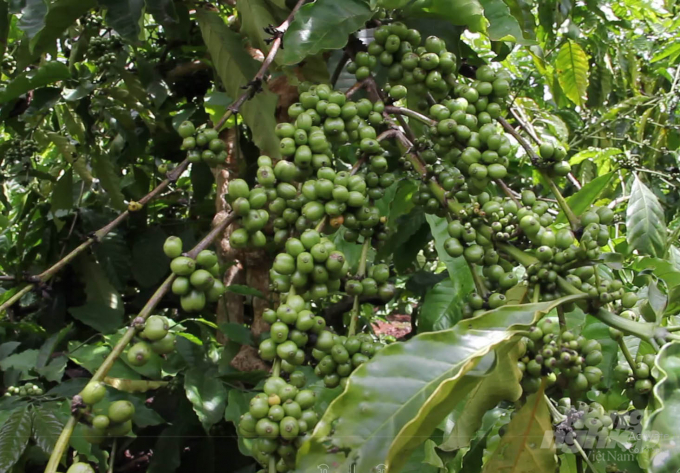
x=339 y=236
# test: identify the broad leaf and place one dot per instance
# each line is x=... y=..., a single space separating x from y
x=236 y=68
x=68 y=151
x=46 y=26
x=62 y=195
x=163 y=12
x=151 y=264
x=392 y=403
x=207 y=394
x=465 y=13
x=586 y=196
x=256 y=15
x=528 y=444
x=322 y=25
x=14 y=436
x=662 y=425
x=245 y=290
x=502 y=25
x=645 y=225
x=123 y=16
x=48 y=73
x=443 y=306
x=104 y=309
x=572 y=71
x=238 y=333
x=46 y=428
x=501 y=384
x=459 y=271
x=110 y=180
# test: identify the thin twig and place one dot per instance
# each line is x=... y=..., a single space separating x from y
x=254 y=85
x=411 y=114
x=97 y=236
x=120 y=346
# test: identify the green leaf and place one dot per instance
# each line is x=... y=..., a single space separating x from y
x=431 y=456
x=33 y=15
x=238 y=333
x=256 y=15
x=62 y=194
x=123 y=16
x=109 y=178
x=164 y=12
x=91 y=357
x=392 y=4
x=672 y=50
x=501 y=384
x=46 y=429
x=14 y=436
x=245 y=290
x=48 y=73
x=207 y=394
x=459 y=271
x=572 y=71
x=47 y=25
x=662 y=423
x=22 y=362
x=50 y=345
x=7 y=349
x=465 y=13
x=393 y=402
x=104 y=308
x=151 y=264
x=322 y=25
x=236 y=68
x=443 y=306
x=68 y=151
x=645 y=224
x=523 y=447
x=584 y=198
x=502 y=25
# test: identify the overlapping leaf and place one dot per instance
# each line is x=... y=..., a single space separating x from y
x=14 y=436
x=501 y=384
x=322 y=25
x=527 y=446
x=661 y=426
x=572 y=71
x=394 y=402
x=645 y=223
x=235 y=68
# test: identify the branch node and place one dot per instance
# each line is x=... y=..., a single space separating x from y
x=77 y=403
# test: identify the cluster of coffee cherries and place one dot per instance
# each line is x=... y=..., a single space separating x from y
x=637 y=381
x=277 y=419
x=564 y=359
x=291 y=325
x=376 y=283
x=105 y=50
x=156 y=338
x=311 y=264
x=197 y=280
x=202 y=144
x=28 y=389
x=552 y=158
x=21 y=151
x=337 y=356
x=587 y=424
x=115 y=422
